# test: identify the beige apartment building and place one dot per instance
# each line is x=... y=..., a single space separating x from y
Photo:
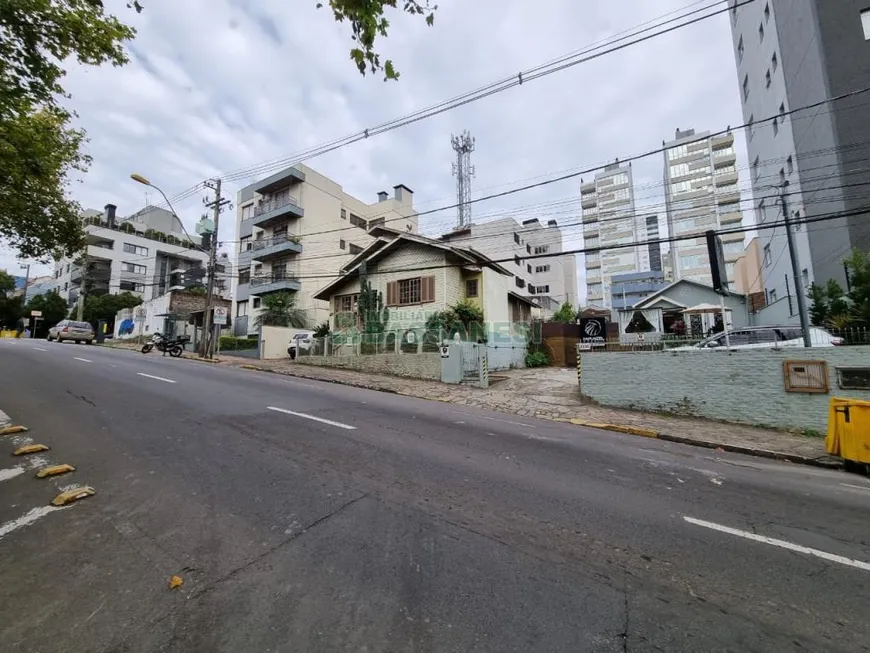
x=296 y=230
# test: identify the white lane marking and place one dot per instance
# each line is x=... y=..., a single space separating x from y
x=857 y=487
x=83 y=360
x=28 y=518
x=312 y=417
x=830 y=557
x=40 y=349
x=12 y=472
x=151 y=376
x=495 y=419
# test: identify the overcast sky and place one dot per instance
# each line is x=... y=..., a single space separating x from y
x=214 y=86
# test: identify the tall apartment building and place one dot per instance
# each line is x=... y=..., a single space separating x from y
x=296 y=229
x=654 y=249
x=147 y=253
x=610 y=220
x=701 y=193
x=789 y=55
x=527 y=250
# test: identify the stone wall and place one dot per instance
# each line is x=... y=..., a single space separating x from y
x=416 y=366
x=745 y=386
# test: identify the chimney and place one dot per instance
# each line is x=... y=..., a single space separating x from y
x=402 y=193
x=552 y=223
x=383 y=196
x=110 y=215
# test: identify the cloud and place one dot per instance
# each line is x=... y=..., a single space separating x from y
x=214 y=86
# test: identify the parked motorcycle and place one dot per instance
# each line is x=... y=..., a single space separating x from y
x=172 y=347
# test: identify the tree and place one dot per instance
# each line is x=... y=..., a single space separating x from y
x=105 y=307
x=566 y=314
x=7 y=284
x=279 y=309
x=39 y=150
x=11 y=308
x=52 y=306
x=373 y=315
x=819 y=311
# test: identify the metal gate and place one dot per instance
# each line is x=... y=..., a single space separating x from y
x=471 y=353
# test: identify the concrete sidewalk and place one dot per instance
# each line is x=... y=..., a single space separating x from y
x=551 y=393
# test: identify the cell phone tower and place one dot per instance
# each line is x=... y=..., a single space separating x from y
x=463 y=145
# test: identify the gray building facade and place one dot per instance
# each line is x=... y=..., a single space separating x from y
x=790 y=54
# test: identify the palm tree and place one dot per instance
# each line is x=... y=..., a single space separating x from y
x=279 y=309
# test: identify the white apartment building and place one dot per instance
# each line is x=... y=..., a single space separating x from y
x=147 y=253
x=701 y=193
x=527 y=250
x=296 y=229
x=610 y=220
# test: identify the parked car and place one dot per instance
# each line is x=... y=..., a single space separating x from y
x=300 y=342
x=71 y=330
x=766 y=337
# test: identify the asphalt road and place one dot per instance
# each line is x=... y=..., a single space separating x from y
x=307 y=516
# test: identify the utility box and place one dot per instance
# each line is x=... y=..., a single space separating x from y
x=849 y=430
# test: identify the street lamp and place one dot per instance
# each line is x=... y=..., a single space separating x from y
x=147 y=182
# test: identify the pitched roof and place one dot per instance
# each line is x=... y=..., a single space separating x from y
x=647 y=300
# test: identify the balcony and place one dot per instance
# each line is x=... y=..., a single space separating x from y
x=277 y=283
x=276 y=247
x=268 y=213
x=278 y=181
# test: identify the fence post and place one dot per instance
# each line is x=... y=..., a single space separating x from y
x=483 y=366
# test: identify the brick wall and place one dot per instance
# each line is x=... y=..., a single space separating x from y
x=745 y=386
x=415 y=366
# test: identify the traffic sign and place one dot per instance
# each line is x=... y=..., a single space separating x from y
x=35 y=313
x=220 y=315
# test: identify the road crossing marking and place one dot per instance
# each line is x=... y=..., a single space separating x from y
x=27 y=519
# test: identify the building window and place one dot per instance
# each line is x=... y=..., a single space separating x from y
x=528 y=268
x=517 y=261
x=357 y=221
x=256 y=302
x=755 y=169
x=594 y=289
x=354 y=249
x=409 y=291
x=745 y=87
x=344 y=214
x=247 y=211
x=767 y=12
x=767 y=78
x=750 y=127
x=245 y=244
x=740 y=50
x=135 y=249
x=772 y=296
x=517 y=238
x=471 y=287
x=520 y=282
x=542 y=249
x=790 y=163
x=129 y=286
x=346 y=303
x=774 y=62
x=542 y=290
x=244 y=276
x=781 y=175
x=544 y=268
x=528 y=249
x=679 y=169
x=342 y=244
x=865 y=22
x=242 y=308
x=132 y=267
x=768 y=260
x=775 y=126
x=761 y=33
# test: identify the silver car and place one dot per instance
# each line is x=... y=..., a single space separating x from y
x=71 y=330
x=766 y=337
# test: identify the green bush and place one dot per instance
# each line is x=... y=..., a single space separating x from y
x=537 y=359
x=229 y=343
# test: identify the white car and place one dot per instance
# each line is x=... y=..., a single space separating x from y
x=765 y=337
x=300 y=342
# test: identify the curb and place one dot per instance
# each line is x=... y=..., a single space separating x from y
x=617 y=428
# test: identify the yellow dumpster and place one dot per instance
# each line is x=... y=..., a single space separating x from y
x=849 y=430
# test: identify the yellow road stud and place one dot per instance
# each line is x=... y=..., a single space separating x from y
x=175 y=581
x=9 y=430
x=75 y=494
x=54 y=470
x=30 y=448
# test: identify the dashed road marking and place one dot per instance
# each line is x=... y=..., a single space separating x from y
x=158 y=378
x=824 y=555
x=83 y=360
x=12 y=472
x=857 y=487
x=313 y=417
x=40 y=349
x=496 y=419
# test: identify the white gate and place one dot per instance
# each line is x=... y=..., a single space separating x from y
x=471 y=353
